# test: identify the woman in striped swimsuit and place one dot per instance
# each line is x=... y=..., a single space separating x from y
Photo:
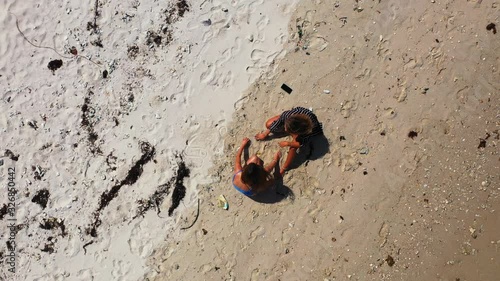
x=298 y=122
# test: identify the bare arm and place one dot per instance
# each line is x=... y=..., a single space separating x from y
x=291 y=144
x=237 y=162
x=289 y=159
x=273 y=164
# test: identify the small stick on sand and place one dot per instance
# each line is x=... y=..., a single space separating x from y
x=85 y=246
x=196 y=218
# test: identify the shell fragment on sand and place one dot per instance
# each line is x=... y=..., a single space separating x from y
x=222 y=202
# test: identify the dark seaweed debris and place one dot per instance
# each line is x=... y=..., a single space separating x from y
x=41 y=198
x=10 y=247
x=38 y=172
x=11 y=155
x=33 y=124
x=97 y=43
x=157 y=198
x=390 y=260
x=154 y=200
x=412 y=134
x=148 y=152
x=3 y=212
x=175 y=13
x=492 y=27
x=53 y=223
x=153 y=37
x=182 y=7
x=55 y=65
x=179 y=189
x=133 y=175
x=132 y=51
x=92 y=25
x=88 y=122
x=482 y=142
x=48 y=248
x=111 y=162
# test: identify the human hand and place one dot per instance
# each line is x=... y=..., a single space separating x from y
x=284 y=143
x=244 y=142
x=260 y=136
x=282 y=171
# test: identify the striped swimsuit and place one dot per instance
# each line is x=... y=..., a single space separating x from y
x=278 y=126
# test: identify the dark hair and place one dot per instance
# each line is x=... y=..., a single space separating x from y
x=253 y=174
x=299 y=124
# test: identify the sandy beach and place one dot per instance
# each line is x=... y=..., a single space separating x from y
x=121 y=122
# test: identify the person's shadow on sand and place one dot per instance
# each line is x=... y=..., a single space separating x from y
x=317 y=147
x=275 y=194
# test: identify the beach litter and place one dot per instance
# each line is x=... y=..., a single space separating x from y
x=287 y=89
x=207 y=22
x=364 y=150
x=222 y=202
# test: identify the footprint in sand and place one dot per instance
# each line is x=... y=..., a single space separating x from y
x=225 y=57
x=390 y=112
x=413 y=63
x=257 y=55
x=365 y=73
x=253 y=6
x=262 y=23
x=73 y=247
x=120 y=269
x=394 y=8
x=383 y=233
x=313 y=210
x=237 y=46
x=255 y=275
x=175 y=98
x=259 y=231
x=226 y=79
x=208 y=75
x=137 y=244
x=349 y=162
x=85 y=274
x=207 y=36
x=318 y=43
x=195 y=151
x=347 y=107
x=410 y=161
x=206 y=268
x=281 y=39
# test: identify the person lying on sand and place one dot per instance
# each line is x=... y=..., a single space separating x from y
x=298 y=122
x=253 y=177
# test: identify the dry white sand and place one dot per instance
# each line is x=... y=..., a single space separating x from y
x=174 y=74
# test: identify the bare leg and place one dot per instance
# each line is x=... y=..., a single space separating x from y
x=292 y=152
x=263 y=135
x=271 y=120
